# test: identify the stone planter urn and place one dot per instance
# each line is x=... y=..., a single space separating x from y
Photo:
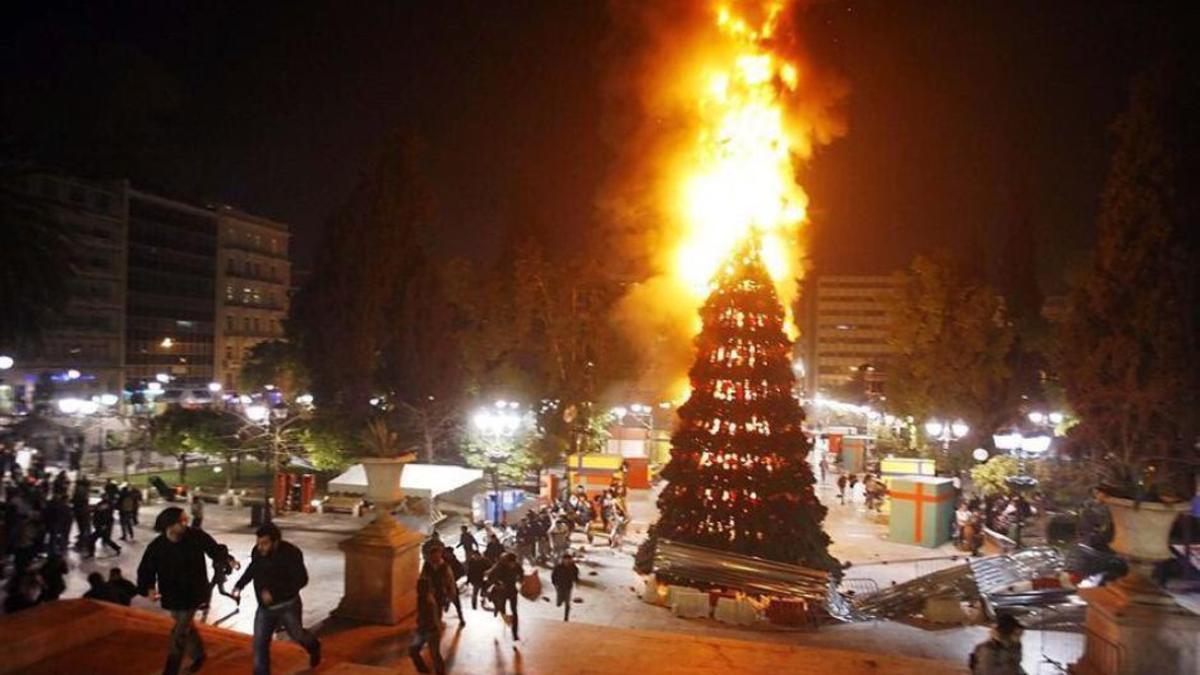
x=383 y=480
x=1140 y=534
x=382 y=559
x=1133 y=627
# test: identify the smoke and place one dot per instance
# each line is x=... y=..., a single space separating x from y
x=663 y=55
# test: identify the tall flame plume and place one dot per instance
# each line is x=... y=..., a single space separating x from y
x=730 y=111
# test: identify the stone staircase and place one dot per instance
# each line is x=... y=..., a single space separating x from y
x=84 y=636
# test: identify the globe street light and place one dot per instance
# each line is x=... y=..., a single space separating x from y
x=1016 y=443
x=498 y=427
x=6 y=362
x=946 y=432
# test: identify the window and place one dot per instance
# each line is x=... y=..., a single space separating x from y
x=229 y=292
x=231 y=266
x=256 y=324
x=229 y=324
x=228 y=352
x=246 y=323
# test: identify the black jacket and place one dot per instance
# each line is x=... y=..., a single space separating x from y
x=565 y=575
x=476 y=570
x=282 y=573
x=178 y=568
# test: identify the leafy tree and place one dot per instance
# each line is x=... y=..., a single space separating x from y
x=361 y=268
x=1130 y=355
x=277 y=363
x=325 y=448
x=181 y=431
x=951 y=344
x=991 y=477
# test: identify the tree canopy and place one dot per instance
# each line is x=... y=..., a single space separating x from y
x=1130 y=355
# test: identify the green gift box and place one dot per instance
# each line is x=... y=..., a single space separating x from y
x=921 y=509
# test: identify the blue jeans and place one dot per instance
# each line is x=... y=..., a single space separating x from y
x=266 y=619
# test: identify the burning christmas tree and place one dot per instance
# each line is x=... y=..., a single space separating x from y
x=738 y=479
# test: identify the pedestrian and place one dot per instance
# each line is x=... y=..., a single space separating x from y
x=102 y=527
x=125 y=510
x=197 y=510
x=83 y=515
x=437 y=568
x=173 y=571
x=53 y=575
x=124 y=588
x=466 y=541
x=850 y=483
x=494 y=549
x=100 y=589
x=25 y=592
x=1000 y=654
x=57 y=517
x=841 y=483
x=560 y=537
x=564 y=577
x=136 y=493
x=429 y=626
x=477 y=568
x=824 y=467
x=278 y=572
x=504 y=580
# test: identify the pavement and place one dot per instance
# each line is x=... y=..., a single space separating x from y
x=609 y=588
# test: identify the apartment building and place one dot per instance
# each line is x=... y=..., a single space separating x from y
x=253 y=287
x=844 y=322
x=82 y=349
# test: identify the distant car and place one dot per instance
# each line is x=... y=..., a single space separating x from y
x=196 y=458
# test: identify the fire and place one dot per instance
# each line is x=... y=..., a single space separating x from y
x=728 y=109
x=739 y=172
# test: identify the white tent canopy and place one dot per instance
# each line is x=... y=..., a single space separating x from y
x=427 y=481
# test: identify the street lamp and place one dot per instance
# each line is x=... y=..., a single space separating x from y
x=6 y=362
x=1016 y=443
x=498 y=427
x=946 y=432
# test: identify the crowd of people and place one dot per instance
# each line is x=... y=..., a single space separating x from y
x=41 y=509
x=493 y=570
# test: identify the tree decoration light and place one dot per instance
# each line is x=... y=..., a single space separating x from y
x=738 y=479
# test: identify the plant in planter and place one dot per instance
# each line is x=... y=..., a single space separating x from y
x=383 y=462
x=1130 y=360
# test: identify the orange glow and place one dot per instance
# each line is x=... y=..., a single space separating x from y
x=738 y=175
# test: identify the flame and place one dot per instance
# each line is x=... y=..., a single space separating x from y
x=739 y=172
x=729 y=111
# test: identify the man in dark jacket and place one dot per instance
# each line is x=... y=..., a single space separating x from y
x=173 y=570
x=564 y=577
x=505 y=580
x=429 y=625
x=101 y=590
x=277 y=569
x=477 y=567
x=102 y=526
x=124 y=588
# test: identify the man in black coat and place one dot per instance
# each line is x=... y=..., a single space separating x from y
x=277 y=570
x=564 y=577
x=173 y=570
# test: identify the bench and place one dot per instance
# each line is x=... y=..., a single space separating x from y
x=352 y=504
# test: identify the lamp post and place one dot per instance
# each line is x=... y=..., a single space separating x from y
x=498 y=426
x=1021 y=446
x=946 y=432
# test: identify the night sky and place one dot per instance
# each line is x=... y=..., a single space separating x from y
x=964 y=117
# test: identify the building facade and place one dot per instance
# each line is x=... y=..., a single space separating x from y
x=253 y=287
x=81 y=351
x=170 y=308
x=844 y=321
